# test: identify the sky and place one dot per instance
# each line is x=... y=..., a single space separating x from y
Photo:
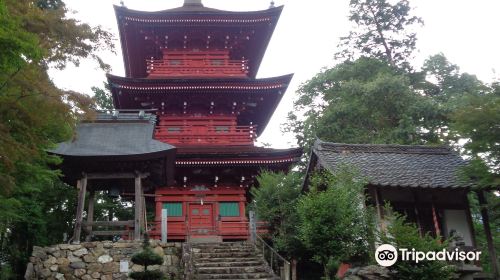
x=305 y=41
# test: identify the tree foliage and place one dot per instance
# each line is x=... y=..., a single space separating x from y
x=146 y=258
x=275 y=201
x=35 y=114
x=383 y=30
x=102 y=97
x=335 y=225
x=365 y=101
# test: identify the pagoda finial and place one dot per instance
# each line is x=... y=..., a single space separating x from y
x=193 y=3
x=122 y=3
x=271 y=5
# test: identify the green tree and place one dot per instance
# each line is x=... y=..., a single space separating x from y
x=275 y=201
x=35 y=114
x=365 y=101
x=335 y=224
x=102 y=97
x=384 y=30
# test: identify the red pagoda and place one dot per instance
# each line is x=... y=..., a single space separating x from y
x=197 y=67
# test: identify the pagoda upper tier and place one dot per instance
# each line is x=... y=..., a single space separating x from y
x=250 y=101
x=194 y=41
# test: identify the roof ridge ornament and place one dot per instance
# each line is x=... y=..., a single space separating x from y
x=271 y=5
x=192 y=3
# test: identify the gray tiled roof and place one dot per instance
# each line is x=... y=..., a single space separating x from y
x=127 y=134
x=395 y=165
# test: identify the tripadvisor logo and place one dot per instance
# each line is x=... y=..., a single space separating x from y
x=387 y=255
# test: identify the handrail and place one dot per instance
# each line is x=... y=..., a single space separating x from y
x=284 y=271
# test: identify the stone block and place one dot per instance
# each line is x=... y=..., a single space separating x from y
x=46 y=272
x=159 y=251
x=72 y=258
x=80 y=252
x=80 y=272
x=63 y=261
x=107 y=277
x=105 y=259
x=96 y=275
x=50 y=261
x=89 y=258
x=54 y=267
x=89 y=245
x=137 y=267
x=98 y=251
x=110 y=267
x=77 y=265
x=94 y=267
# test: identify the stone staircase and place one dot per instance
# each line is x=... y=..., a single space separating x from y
x=229 y=260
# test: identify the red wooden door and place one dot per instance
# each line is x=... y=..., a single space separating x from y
x=201 y=220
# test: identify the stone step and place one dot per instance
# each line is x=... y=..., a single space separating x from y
x=232 y=263
x=231 y=270
x=225 y=251
x=226 y=260
x=221 y=244
x=236 y=254
x=259 y=275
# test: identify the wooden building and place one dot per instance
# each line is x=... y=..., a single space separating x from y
x=424 y=183
x=195 y=68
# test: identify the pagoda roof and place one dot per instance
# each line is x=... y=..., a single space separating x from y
x=236 y=156
x=257 y=98
x=412 y=166
x=143 y=34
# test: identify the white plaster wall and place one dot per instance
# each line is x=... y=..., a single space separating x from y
x=457 y=219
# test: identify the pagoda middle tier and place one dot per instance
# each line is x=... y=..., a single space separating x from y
x=241 y=105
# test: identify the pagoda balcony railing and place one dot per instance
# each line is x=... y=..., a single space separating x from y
x=160 y=68
x=211 y=135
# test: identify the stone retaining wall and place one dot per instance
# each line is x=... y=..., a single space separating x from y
x=98 y=260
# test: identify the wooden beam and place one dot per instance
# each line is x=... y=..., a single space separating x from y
x=138 y=208
x=90 y=216
x=110 y=223
x=82 y=186
x=144 y=217
x=116 y=175
x=483 y=204
x=144 y=194
x=110 y=232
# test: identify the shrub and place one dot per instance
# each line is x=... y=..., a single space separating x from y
x=146 y=258
x=402 y=234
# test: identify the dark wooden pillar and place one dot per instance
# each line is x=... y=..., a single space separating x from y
x=82 y=186
x=90 y=215
x=138 y=208
x=483 y=204
x=416 y=206
x=379 y=206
